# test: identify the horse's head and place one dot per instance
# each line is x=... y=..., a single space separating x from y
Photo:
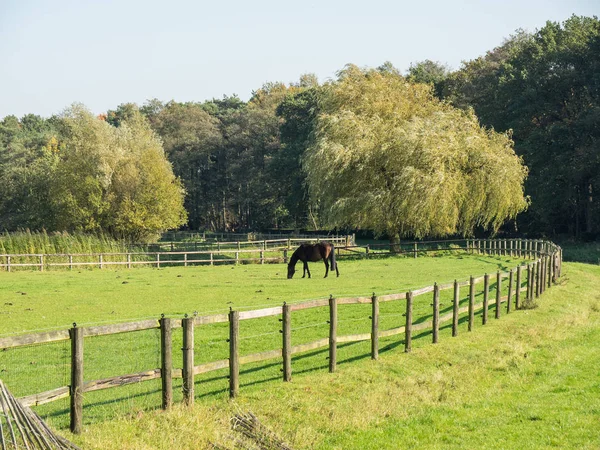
x=291 y=271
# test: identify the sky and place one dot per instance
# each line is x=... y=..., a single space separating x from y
x=103 y=53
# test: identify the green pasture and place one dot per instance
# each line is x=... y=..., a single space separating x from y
x=47 y=300
x=528 y=381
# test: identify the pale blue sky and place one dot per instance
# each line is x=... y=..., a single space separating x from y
x=103 y=53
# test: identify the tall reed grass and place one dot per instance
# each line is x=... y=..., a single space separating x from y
x=28 y=242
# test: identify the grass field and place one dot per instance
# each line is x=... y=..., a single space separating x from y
x=454 y=394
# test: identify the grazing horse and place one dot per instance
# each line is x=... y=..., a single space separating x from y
x=313 y=252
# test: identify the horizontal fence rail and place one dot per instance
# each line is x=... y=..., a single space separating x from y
x=538 y=275
x=265 y=251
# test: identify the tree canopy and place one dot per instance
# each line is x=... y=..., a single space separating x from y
x=388 y=156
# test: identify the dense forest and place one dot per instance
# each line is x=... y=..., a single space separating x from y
x=244 y=165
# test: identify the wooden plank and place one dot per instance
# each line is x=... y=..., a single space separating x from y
x=262 y=356
x=486 y=292
x=510 y=290
x=211 y=366
x=443 y=287
x=471 y=304
x=76 y=388
x=422 y=325
x=234 y=354
x=518 y=289
x=498 y=294
x=37 y=338
x=390 y=297
x=353 y=338
x=45 y=397
x=436 y=314
x=422 y=291
x=353 y=300
x=266 y=312
x=205 y=320
x=166 y=357
x=455 y=306
x=121 y=328
x=310 y=304
x=310 y=346
x=332 y=334
x=188 y=360
x=479 y=279
x=408 y=325
x=122 y=380
x=392 y=332
x=287 y=342
x=374 y=327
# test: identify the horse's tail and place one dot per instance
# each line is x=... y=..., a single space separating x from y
x=332 y=257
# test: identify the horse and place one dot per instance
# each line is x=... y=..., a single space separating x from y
x=313 y=252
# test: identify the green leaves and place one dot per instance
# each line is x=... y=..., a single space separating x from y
x=390 y=157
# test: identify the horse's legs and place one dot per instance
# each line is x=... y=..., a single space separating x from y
x=336 y=270
x=306 y=268
x=326 y=267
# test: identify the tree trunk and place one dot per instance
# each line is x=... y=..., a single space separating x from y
x=394 y=243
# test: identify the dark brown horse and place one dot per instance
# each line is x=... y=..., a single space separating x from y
x=313 y=252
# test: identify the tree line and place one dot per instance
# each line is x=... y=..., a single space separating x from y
x=429 y=152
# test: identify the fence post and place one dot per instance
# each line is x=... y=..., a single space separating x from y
x=486 y=291
x=408 y=327
x=498 y=294
x=510 y=288
x=455 y=309
x=367 y=251
x=332 y=334
x=518 y=289
x=8 y=263
x=234 y=354
x=374 y=327
x=185 y=260
x=285 y=256
x=166 y=362
x=471 y=303
x=158 y=260
x=188 y=360
x=536 y=266
x=262 y=256
x=237 y=258
x=436 y=313
x=238 y=245
x=549 y=269
x=41 y=263
x=76 y=388
x=211 y=259
x=129 y=260
x=287 y=342
x=416 y=248
x=511 y=248
x=70 y=262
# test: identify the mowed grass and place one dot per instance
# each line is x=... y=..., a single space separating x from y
x=32 y=300
x=529 y=380
x=62 y=297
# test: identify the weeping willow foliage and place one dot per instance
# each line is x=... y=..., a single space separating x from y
x=388 y=156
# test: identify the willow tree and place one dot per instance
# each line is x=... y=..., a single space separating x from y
x=388 y=156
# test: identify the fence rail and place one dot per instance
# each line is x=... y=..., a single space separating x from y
x=266 y=251
x=545 y=268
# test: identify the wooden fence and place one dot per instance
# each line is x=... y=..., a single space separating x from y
x=229 y=252
x=265 y=251
x=538 y=275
